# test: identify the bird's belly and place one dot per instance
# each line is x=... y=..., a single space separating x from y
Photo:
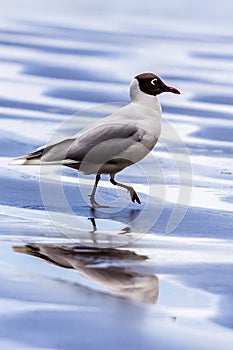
x=111 y=167
x=133 y=154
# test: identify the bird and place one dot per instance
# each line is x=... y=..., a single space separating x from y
x=114 y=142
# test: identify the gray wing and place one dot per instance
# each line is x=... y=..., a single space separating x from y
x=56 y=152
x=97 y=145
x=104 y=142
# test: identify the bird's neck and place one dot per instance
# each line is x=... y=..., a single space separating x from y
x=140 y=98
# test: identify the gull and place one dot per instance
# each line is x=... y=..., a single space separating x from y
x=115 y=142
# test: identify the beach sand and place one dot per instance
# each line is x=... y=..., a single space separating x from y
x=154 y=276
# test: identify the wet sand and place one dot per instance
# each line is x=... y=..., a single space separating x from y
x=113 y=284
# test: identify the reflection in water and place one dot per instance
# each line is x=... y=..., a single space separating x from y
x=98 y=234
x=107 y=267
x=126 y=229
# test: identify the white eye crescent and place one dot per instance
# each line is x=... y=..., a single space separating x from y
x=153 y=81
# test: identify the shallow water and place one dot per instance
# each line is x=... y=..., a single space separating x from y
x=61 y=58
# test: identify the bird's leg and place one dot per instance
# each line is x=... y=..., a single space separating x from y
x=94 y=204
x=133 y=193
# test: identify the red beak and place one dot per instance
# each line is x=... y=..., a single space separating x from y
x=172 y=90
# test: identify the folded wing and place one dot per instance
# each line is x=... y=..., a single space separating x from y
x=97 y=145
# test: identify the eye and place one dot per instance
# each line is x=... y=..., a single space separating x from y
x=153 y=81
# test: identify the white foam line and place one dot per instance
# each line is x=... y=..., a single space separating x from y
x=15 y=306
x=195 y=105
x=30 y=114
x=209 y=142
x=68 y=43
x=198 y=122
x=29 y=214
x=216 y=162
x=58 y=82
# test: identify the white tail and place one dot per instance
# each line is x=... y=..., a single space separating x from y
x=25 y=161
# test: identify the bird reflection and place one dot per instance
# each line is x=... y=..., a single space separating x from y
x=108 y=267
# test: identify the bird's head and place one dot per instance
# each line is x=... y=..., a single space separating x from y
x=151 y=84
